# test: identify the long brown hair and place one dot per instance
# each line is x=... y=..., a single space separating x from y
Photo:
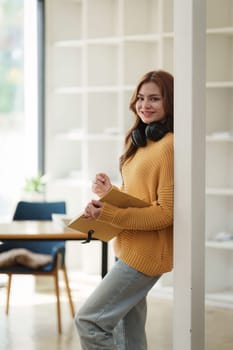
x=164 y=81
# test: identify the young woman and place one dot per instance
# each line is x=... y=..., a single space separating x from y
x=144 y=248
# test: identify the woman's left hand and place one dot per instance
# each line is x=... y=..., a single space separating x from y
x=93 y=209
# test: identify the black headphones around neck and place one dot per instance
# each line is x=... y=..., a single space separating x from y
x=154 y=131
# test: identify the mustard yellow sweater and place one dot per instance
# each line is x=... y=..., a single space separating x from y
x=146 y=240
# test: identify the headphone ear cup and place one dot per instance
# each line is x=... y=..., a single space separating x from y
x=139 y=138
x=155 y=131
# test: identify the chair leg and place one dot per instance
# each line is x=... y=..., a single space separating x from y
x=58 y=302
x=68 y=290
x=8 y=293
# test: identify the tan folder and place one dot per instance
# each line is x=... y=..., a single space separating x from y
x=104 y=231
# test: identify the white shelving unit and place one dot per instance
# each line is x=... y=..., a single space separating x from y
x=219 y=149
x=95 y=53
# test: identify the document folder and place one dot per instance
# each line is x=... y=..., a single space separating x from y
x=104 y=231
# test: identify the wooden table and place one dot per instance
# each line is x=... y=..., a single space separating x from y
x=46 y=230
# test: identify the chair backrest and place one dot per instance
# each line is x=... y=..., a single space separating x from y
x=38 y=210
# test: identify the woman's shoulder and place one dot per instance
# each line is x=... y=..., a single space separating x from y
x=166 y=147
x=163 y=147
x=167 y=141
x=169 y=137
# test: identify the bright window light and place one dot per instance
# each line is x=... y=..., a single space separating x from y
x=18 y=100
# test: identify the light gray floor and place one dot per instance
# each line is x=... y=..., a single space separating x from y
x=31 y=324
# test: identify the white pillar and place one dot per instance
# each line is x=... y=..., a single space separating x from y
x=189 y=224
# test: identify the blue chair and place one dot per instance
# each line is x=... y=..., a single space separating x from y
x=39 y=211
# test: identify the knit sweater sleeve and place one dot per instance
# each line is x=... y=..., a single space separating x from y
x=158 y=215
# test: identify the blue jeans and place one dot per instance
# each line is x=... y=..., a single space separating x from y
x=114 y=316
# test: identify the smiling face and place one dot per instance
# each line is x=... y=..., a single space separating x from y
x=149 y=104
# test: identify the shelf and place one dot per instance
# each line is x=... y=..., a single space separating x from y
x=85 y=89
x=74 y=90
x=220 y=245
x=111 y=40
x=219 y=191
x=69 y=43
x=104 y=137
x=221 y=31
x=223 y=298
x=219 y=138
x=72 y=182
x=72 y=136
x=142 y=38
x=93 y=41
x=219 y=84
x=168 y=35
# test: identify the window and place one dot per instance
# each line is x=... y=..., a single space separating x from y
x=18 y=99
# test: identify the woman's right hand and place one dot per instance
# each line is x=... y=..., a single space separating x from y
x=101 y=184
x=93 y=209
